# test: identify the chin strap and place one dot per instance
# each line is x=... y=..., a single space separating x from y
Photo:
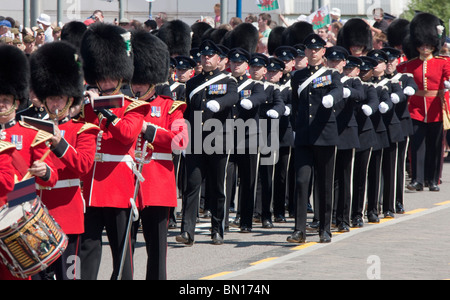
x=147 y=94
x=9 y=111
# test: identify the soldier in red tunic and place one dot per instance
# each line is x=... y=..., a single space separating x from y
x=430 y=71
x=163 y=131
x=109 y=186
x=30 y=143
x=6 y=170
x=56 y=79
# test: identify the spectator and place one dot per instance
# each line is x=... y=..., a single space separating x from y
x=5 y=28
x=335 y=14
x=264 y=24
x=217 y=16
x=333 y=32
x=160 y=19
x=18 y=43
x=45 y=23
x=6 y=40
x=150 y=25
x=251 y=18
x=57 y=33
x=235 y=21
x=40 y=37
x=262 y=46
x=98 y=16
x=323 y=33
x=380 y=24
x=135 y=24
x=125 y=23
x=379 y=40
x=30 y=44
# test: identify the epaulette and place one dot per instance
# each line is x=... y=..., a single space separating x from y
x=41 y=137
x=176 y=105
x=135 y=104
x=6 y=146
x=26 y=125
x=86 y=127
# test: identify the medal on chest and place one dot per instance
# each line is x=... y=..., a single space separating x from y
x=156 y=111
x=18 y=141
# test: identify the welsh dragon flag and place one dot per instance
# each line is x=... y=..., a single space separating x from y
x=266 y=5
x=320 y=17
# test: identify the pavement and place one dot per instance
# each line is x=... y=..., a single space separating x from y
x=411 y=246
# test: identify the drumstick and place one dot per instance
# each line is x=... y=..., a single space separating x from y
x=28 y=175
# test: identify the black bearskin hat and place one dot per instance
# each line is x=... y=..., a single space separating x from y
x=426 y=28
x=215 y=34
x=355 y=32
x=177 y=36
x=296 y=33
x=106 y=53
x=151 y=58
x=14 y=73
x=275 y=39
x=244 y=35
x=198 y=29
x=397 y=31
x=56 y=71
x=73 y=32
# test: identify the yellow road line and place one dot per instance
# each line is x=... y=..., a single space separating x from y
x=303 y=246
x=414 y=211
x=216 y=275
x=442 y=203
x=263 y=260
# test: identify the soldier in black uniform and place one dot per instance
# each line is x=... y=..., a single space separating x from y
x=245 y=153
x=196 y=56
x=394 y=129
x=367 y=139
x=409 y=88
x=315 y=90
x=210 y=97
x=348 y=136
x=269 y=113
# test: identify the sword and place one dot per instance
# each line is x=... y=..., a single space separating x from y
x=134 y=214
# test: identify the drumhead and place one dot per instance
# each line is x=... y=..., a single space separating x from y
x=12 y=215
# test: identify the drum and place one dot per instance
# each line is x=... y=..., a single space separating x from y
x=30 y=239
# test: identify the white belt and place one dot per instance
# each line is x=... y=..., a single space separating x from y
x=61 y=184
x=103 y=157
x=162 y=156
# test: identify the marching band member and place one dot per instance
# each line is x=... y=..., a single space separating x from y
x=165 y=130
x=56 y=78
x=109 y=186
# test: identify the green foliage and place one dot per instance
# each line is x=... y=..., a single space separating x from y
x=439 y=8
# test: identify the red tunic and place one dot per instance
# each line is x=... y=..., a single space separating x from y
x=73 y=159
x=111 y=181
x=429 y=75
x=6 y=171
x=159 y=187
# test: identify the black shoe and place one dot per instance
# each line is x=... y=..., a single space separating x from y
x=433 y=187
x=310 y=209
x=325 y=237
x=388 y=215
x=172 y=224
x=415 y=186
x=246 y=229
x=357 y=222
x=279 y=219
x=342 y=227
x=296 y=237
x=236 y=222
x=399 y=208
x=217 y=239
x=184 y=238
x=373 y=218
x=313 y=226
x=267 y=224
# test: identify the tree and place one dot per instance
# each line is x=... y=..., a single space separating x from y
x=439 y=8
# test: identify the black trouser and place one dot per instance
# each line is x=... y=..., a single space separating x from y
x=247 y=174
x=115 y=221
x=154 y=228
x=66 y=267
x=374 y=181
x=389 y=169
x=402 y=148
x=426 y=151
x=360 y=173
x=343 y=184
x=212 y=167
x=321 y=159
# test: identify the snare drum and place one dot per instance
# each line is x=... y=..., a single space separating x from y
x=30 y=239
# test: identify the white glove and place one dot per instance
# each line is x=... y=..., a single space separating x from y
x=383 y=107
x=395 y=98
x=246 y=104
x=367 y=110
x=347 y=92
x=271 y=113
x=447 y=84
x=287 y=111
x=213 y=106
x=409 y=91
x=327 y=101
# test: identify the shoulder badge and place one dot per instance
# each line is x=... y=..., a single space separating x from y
x=176 y=105
x=135 y=104
x=41 y=137
x=87 y=126
x=6 y=146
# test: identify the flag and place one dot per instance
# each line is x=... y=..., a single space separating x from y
x=266 y=5
x=320 y=18
x=23 y=192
